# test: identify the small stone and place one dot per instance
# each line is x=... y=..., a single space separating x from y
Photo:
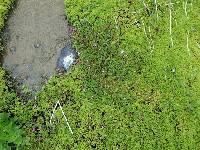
x=68 y=61
x=37 y=45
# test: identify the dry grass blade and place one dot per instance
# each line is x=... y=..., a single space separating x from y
x=170 y=22
x=70 y=129
x=54 y=110
x=186 y=9
x=155 y=2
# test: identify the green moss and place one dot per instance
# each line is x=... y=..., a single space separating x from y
x=147 y=88
x=11 y=136
x=131 y=88
x=7 y=96
x=4 y=8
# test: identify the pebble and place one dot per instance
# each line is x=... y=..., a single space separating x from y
x=37 y=45
x=67 y=58
x=67 y=61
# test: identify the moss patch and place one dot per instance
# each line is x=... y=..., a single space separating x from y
x=5 y=5
x=135 y=86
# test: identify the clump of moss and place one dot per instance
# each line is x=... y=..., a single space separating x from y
x=136 y=83
x=6 y=95
x=5 y=6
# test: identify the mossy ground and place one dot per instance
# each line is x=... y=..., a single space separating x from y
x=5 y=94
x=5 y=5
x=136 y=85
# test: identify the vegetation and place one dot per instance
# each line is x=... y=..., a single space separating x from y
x=5 y=5
x=11 y=137
x=135 y=86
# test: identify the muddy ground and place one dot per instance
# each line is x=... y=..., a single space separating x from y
x=37 y=30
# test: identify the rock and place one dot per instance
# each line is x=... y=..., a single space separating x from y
x=37 y=45
x=67 y=57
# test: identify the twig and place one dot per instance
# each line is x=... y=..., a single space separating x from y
x=70 y=129
x=151 y=38
x=170 y=22
x=148 y=39
x=155 y=1
x=146 y=7
x=186 y=9
x=58 y=103
x=54 y=110
x=144 y=30
x=144 y=4
x=116 y=24
x=146 y=34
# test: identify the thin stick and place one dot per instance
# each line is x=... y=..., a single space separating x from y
x=144 y=4
x=151 y=38
x=65 y=118
x=146 y=34
x=144 y=30
x=170 y=22
x=116 y=24
x=186 y=9
x=155 y=1
x=54 y=110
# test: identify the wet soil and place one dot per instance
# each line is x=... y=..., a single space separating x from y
x=37 y=30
